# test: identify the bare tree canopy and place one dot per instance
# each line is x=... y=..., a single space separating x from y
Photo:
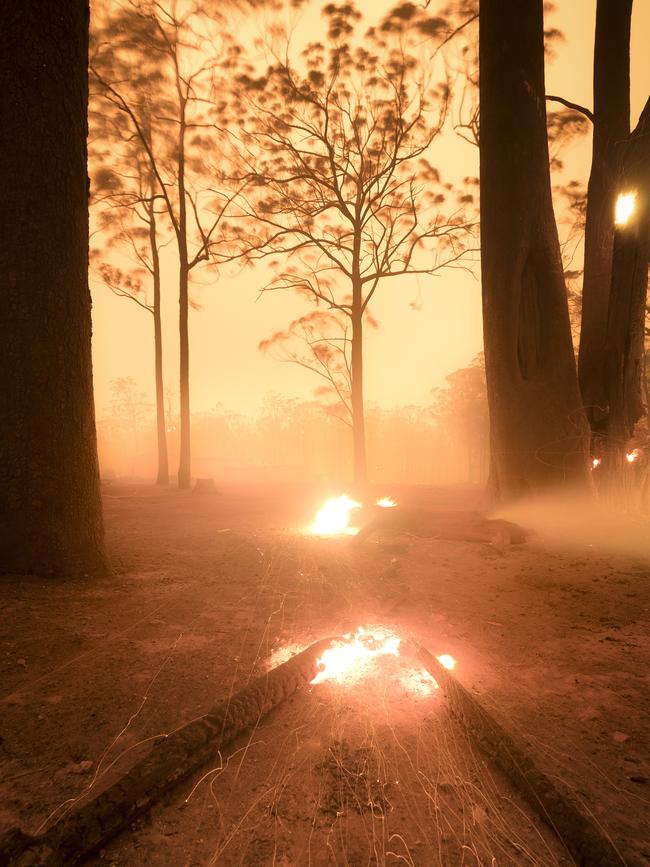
x=334 y=152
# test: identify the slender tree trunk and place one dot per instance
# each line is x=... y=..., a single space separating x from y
x=611 y=126
x=539 y=434
x=162 y=477
x=184 y=467
x=358 y=414
x=627 y=304
x=50 y=508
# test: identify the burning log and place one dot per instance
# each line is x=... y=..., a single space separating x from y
x=587 y=844
x=172 y=759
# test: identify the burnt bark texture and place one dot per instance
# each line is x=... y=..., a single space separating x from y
x=611 y=126
x=172 y=759
x=585 y=840
x=624 y=347
x=539 y=433
x=50 y=508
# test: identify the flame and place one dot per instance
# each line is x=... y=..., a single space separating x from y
x=632 y=456
x=342 y=658
x=595 y=462
x=386 y=502
x=334 y=517
x=447 y=661
x=625 y=204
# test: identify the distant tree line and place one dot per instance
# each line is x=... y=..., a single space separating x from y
x=445 y=442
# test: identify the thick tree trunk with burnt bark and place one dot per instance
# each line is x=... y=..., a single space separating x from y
x=611 y=127
x=624 y=348
x=50 y=509
x=539 y=433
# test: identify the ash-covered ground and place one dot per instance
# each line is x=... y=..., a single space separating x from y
x=208 y=590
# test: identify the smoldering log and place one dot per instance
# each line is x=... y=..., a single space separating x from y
x=172 y=759
x=586 y=843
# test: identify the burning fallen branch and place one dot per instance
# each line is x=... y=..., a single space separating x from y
x=334 y=517
x=354 y=650
x=581 y=836
x=98 y=818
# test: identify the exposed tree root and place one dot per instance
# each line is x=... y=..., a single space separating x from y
x=174 y=757
x=584 y=840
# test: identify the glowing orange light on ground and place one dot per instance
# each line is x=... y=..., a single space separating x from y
x=340 y=660
x=334 y=518
x=632 y=456
x=595 y=462
x=447 y=661
x=386 y=502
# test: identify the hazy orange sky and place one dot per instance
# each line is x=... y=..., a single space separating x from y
x=410 y=353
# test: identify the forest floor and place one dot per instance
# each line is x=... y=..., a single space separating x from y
x=207 y=591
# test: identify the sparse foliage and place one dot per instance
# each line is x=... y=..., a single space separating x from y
x=155 y=66
x=341 y=195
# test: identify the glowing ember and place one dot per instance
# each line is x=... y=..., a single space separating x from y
x=334 y=517
x=386 y=502
x=418 y=682
x=632 y=456
x=595 y=462
x=447 y=661
x=624 y=208
x=342 y=658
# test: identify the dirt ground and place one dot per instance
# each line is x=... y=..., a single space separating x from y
x=209 y=590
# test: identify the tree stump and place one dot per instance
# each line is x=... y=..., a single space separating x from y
x=204 y=486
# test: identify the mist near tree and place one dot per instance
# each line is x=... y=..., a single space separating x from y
x=445 y=442
x=430 y=562
x=284 y=181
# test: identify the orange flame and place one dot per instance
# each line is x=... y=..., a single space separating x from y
x=447 y=661
x=334 y=518
x=625 y=205
x=340 y=660
x=595 y=462
x=386 y=502
x=632 y=456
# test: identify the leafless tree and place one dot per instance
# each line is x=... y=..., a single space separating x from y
x=155 y=66
x=341 y=195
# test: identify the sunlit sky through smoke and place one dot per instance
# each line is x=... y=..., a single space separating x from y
x=428 y=326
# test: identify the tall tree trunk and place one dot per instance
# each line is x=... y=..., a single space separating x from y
x=539 y=434
x=358 y=413
x=162 y=477
x=627 y=302
x=50 y=508
x=184 y=466
x=611 y=126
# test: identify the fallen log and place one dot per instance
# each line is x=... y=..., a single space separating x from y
x=426 y=523
x=96 y=819
x=585 y=841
